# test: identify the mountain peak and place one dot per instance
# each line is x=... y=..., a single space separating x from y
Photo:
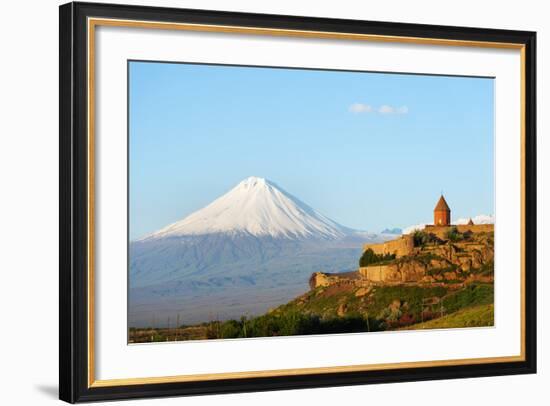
x=258 y=207
x=253 y=181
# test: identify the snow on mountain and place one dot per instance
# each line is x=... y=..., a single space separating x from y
x=256 y=207
x=479 y=219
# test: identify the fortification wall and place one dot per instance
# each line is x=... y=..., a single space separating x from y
x=375 y=273
x=318 y=279
x=408 y=271
x=401 y=246
x=476 y=228
x=441 y=231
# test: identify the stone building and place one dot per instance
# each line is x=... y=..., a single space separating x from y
x=442 y=213
x=404 y=244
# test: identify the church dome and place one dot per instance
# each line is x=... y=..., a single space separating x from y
x=442 y=205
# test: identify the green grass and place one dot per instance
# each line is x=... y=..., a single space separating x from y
x=471 y=295
x=379 y=299
x=412 y=295
x=476 y=316
x=487 y=269
x=323 y=305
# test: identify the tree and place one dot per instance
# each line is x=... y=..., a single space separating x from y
x=369 y=258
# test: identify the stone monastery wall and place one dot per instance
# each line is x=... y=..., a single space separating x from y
x=441 y=231
x=401 y=246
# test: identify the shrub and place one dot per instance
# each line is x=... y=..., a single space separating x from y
x=230 y=329
x=454 y=235
x=294 y=323
x=421 y=238
x=213 y=330
x=369 y=258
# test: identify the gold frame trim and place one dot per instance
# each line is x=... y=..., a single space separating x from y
x=94 y=22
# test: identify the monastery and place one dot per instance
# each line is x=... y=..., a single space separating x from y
x=404 y=245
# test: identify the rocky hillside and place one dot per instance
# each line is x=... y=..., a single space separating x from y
x=461 y=257
x=440 y=277
x=447 y=279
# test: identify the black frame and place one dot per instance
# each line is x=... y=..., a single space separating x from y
x=73 y=289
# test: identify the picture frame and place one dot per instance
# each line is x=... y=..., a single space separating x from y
x=78 y=380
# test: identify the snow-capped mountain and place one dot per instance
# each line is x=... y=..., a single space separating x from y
x=253 y=248
x=260 y=208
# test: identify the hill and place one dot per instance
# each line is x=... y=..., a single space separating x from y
x=477 y=316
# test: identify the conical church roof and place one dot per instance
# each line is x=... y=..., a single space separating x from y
x=442 y=205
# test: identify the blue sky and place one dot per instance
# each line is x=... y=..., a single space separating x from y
x=369 y=150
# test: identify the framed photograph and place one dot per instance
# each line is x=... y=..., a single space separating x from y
x=257 y=202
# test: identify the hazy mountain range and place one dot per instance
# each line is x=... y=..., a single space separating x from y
x=392 y=231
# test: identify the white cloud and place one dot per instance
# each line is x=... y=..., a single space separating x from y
x=360 y=108
x=410 y=229
x=402 y=110
x=385 y=109
x=479 y=219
